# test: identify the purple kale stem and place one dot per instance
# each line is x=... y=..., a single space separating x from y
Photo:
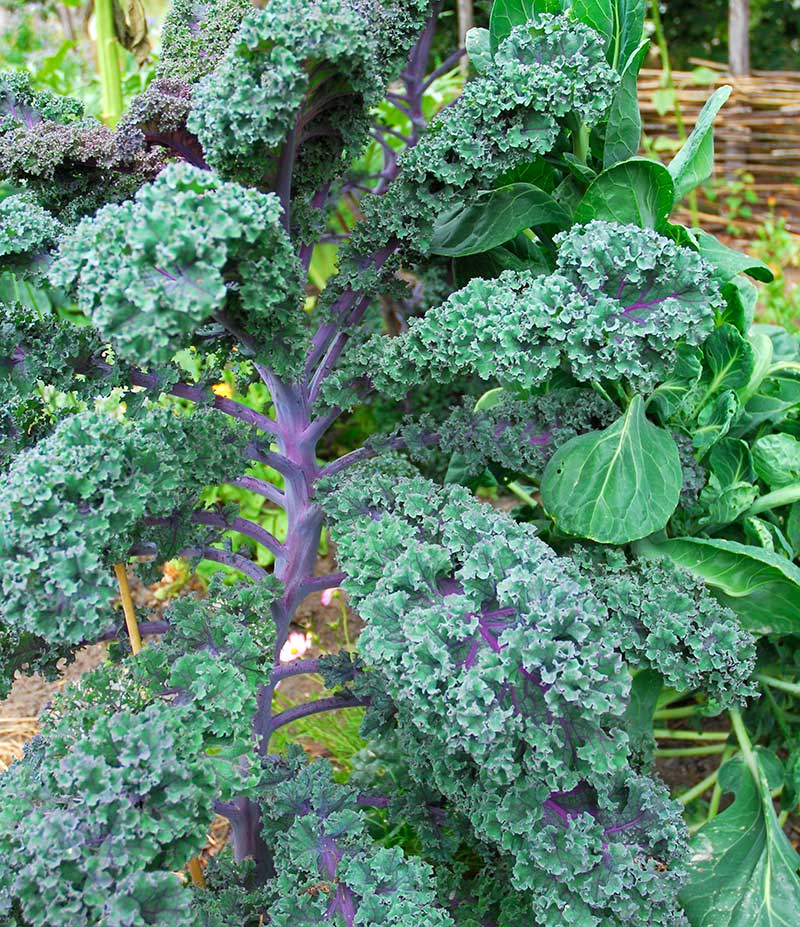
x=296 y=442
x=320 y=583
x=145 y=628
x=235 y=561
x=261 y=488
x=297 y=668
x=245 y=820
x=365 y=453
x=413 y=78
x=332 y=703
x=288 y=468
x=369 y=800
x=202 y=395
x=244 y=526
x=447 y=65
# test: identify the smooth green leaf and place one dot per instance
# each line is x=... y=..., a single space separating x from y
x=479 y=49
x=509 y=13
x=693 y=164
x=762 y=348
x=761 y=587
x=728 y=361
x=726 y=262
x=715 y=420
x=776 y=458
x=635 y=192
x=624 y=128
x=620 y=22
x=494 y=218
x=615 y=485
x=743 y=870
x=731 y=461
x=741 y=296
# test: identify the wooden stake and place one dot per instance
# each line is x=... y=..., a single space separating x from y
x=127 y=607
x=196 y=872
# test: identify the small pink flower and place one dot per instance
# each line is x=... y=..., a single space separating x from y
x=295 y=647
x=329 y=595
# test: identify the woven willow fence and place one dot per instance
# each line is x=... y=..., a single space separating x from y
x=757 y=132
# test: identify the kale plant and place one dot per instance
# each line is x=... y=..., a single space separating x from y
x=563 y=337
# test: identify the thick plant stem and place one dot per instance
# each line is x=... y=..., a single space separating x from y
x=696 y=791
x=790 y=687
x=691 y=751
x=108 y=62
x=666 y=734
x=716 y=795
x=744 y=742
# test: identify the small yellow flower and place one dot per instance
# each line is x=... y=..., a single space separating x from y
x=222 y=389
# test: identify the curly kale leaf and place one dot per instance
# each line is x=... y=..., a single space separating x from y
x=106 y=823
x=189 y=249
x=21 y=105
x=69 y=163
x=329 y=870
x=26 y=231
x=196 y=34
x=516 y=435
x=38 y=355
x=667 y=619
x=505 y=117
x=620 y=302
x=215 y=655
x=470 y=618
x=73 y=505
x=158 y=117
x=312 y=70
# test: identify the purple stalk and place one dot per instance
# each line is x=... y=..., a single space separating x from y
x=248 y=528
x=332 y=703
x=296 y=668
x=261 y=488
x=203 y=396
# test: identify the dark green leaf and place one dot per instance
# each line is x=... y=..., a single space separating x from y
x=776 y=458
x=728 y=361
x=479 y=49
x=743 y=869
x=731 y=461
x=494 y=218
x=624 y=129
x=728 y=263
x=518 y=254
x=635 y=192
x=509 y=13
x=693 y=164
x=714 y=420
x=620 y=22
x=673 y=395
x=615 y=485
x=761 y=587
